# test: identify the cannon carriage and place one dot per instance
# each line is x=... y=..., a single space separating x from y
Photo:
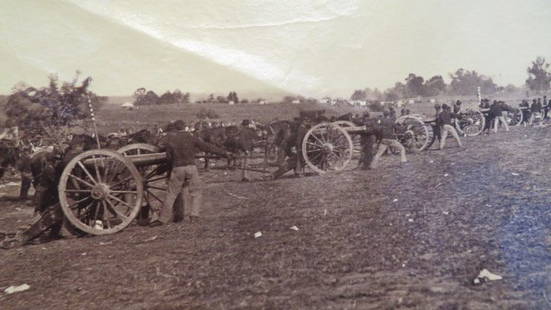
x=103 y=191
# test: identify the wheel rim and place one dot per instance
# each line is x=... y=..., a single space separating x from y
x=471 y=123
x=327 y=147
x=415 y=135
x=100 y=192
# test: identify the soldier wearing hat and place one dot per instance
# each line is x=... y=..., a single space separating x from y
x=387 y=139
x=444 y=121
x=181 y=148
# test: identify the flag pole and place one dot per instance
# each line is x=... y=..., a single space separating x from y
x=93 y=121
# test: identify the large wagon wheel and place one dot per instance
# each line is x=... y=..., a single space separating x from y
x=513 y=118
x=470 y=123
x=327 y=147
x=100 y=192
x=414 y=134
x=355 y=138
x=154 y=180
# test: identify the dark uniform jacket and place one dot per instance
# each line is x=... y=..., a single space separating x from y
x=181 y=148
x=444 y=118
x=387 y=128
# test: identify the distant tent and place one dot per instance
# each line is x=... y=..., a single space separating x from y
x=128 y=105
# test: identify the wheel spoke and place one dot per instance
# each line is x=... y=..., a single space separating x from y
x=96 y=169
x=78 y=191
x=155 y=196
x=318 y=139
x=158 y=188
x=125 y=192
x=87 y=172
x=119 y=200
x=78 y=202
x=115 y=211
x=80 y=180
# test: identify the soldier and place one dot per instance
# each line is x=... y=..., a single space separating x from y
x=535 y=109
x=293 y=149
x=545 y=107
x=498 y=109
x=368 y=139
x=51 y=216
x=181 y=148
x=387 y=139
x=525 y=109
x=444 y=122
x=436 y=128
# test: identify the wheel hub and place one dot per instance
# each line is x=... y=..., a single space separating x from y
x=100 y=191
x=328 y=147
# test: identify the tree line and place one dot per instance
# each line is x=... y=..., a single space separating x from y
x=61 y=103
x=462 y=83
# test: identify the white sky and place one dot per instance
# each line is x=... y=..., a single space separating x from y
x=312 y=47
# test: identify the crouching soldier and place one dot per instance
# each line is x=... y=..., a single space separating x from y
x=293 y=150
x=387 y=139
x=51 y=218
x=444 y=121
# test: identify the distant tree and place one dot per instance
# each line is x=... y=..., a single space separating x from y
x=539 y=78
x=232 y=96
x=52 y=106
x=414 y=85
x=139 y=96
x=359 y=95
x=167 y=98
x=151 y=98
x=465 y=82
x=434 y=86
x=221 y=99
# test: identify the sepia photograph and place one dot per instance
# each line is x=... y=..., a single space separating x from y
x=291 y=154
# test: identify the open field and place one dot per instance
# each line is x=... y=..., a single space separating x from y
x=411 y=237
x=112 y=117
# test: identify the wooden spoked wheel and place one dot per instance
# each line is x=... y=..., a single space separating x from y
x=513 y=118
x=413 y=133
x=327 y=147
x=355 y=138
x=100 y=192
x=154 y=175
x=470 y=123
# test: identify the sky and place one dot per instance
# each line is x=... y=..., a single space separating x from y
x=309 y=47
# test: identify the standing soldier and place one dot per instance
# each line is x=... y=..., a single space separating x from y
x=445 y=122
x=181 y=148
x=497 y=109
x=525 y=109
x=535 y=109
x=368 y=139
x=387 y=140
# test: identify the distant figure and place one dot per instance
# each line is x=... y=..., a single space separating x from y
x=368 y=140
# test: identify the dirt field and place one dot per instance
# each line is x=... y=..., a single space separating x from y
x=411 y=237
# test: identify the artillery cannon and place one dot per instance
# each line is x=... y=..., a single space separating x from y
x=103 y=191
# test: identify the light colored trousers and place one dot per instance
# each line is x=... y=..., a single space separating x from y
x=183 y=181
x=383 y=146
x=500 y=119
x=444 y=134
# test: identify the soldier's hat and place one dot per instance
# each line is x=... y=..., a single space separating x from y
x=245 y=122
x=437 y=106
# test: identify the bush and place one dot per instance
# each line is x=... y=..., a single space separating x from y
x=207 y=113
